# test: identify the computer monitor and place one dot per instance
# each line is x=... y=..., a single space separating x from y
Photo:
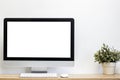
x=38 y=42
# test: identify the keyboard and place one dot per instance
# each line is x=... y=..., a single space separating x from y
x=39 y=75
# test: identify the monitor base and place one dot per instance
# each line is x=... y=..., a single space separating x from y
x=37 y=69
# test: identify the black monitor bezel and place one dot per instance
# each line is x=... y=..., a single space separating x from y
x=37 y=20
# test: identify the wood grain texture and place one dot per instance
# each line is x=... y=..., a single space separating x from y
x=71 y=77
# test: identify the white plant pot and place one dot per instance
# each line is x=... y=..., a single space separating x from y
x=109 y=68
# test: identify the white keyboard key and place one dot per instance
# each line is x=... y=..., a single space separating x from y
x=39 y=75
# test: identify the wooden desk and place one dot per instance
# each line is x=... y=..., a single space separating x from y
x=71 y=77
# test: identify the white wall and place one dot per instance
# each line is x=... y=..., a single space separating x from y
x=96 y=22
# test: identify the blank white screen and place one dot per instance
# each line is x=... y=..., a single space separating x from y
x=38 y=39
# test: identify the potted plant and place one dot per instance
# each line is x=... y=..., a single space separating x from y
x=108 y=58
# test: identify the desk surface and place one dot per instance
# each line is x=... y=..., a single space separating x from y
x=71 y=77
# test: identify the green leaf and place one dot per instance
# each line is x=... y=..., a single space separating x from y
x=106 y=54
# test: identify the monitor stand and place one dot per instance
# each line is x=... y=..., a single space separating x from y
x=36 y=69
x=38 y=72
